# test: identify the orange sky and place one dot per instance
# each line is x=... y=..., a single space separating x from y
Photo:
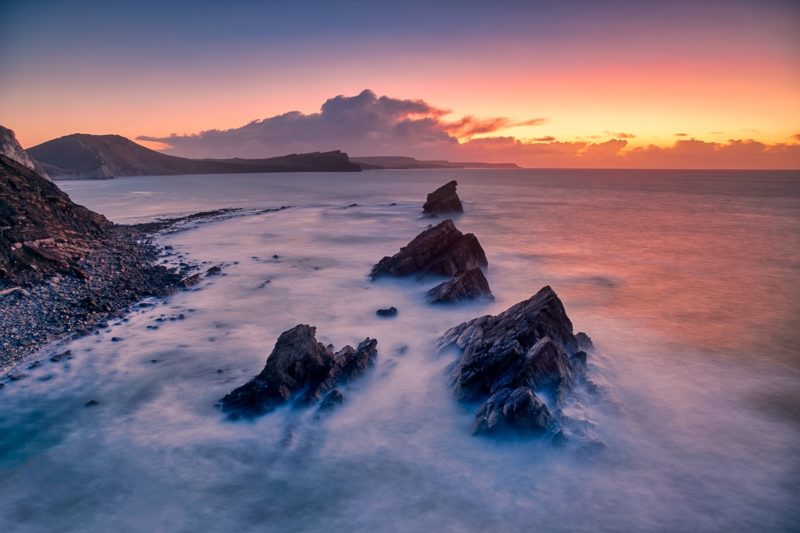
x=732 y=76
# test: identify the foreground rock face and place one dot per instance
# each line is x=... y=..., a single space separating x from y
x=443 y=200
x=439 y=250
x=466 y=285
x=300 y=368
x=41 y=229
x=510 y=360
x=10 y=148
x=64 y=268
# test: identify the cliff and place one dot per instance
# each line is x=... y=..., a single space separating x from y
x=83 y=156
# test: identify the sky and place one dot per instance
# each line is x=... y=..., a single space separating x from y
x=569 y=83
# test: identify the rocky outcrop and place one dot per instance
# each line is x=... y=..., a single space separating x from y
x=10 y=147
x=387 y=312
x=76 y=267
x=439 y=250
x=41 y=229
x=443 y=200
x=303 y=370
x=513 y=360
x=466 y=285
x=513 y=411
x=83 y=156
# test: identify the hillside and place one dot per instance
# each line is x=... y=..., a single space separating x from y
x=83 y=156
x=405 y=162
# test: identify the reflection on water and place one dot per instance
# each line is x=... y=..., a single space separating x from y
x=686 y=281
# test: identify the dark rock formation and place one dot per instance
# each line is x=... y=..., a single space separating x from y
x=439 y=250
x=82 y=156
x=299 y=368
x=387 y=313
x=513 y=411
x=443 y=200
x=465 y=285
x=509 y=359
x=41 y=229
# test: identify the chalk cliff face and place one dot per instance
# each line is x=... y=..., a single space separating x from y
x=10 y=148
x=82 y=156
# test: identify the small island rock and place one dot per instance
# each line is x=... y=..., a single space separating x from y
x=439 y=250
x=443 y=200
x=299 y=364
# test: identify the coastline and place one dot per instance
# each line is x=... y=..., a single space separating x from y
x=114 y=278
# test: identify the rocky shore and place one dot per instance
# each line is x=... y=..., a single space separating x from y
x=65 y=270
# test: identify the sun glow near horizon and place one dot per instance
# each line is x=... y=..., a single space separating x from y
x=648 y=77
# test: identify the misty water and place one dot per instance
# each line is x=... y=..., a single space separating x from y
x=686 y=281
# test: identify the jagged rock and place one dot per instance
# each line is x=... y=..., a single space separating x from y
x=443 y=200
x=331 y=400
x=300 y=368
x=584 y=341
x=439 y=250
x=529 y=347
x=387 y=313
x=514 y=411
x=466 y=285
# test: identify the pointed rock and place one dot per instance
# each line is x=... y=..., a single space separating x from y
x=466 y=285
x=438 y=250
x=299 y=363
x=443 y=200
x=526 y=350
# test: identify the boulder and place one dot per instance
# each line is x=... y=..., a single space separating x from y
x=439 y=250
x=387 y=312
x=443 y=200
x=517 y=411
x=299 y=368
x=466 y=285
x=512 y=359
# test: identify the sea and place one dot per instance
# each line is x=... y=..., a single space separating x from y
x=687 y=281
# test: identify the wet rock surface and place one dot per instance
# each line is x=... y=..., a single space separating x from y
x=439 y=250
x=466 y=285
x=387 y=312
x=443 y=200
x=300 y=370
x=513 y=362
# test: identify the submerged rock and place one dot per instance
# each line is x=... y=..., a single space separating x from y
x=299 y=368
x=509 y=360
x=517 y=411
x=465 y=285
x=439 y=250
x=443 y=200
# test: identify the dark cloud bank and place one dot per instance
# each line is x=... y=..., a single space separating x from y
x=367 y=124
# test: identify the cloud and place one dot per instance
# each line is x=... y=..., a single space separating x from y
x=619 y=135
x=470 y=126
x=796 y=137
x=366 y=124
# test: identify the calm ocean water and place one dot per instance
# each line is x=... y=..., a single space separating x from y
x=687 y=282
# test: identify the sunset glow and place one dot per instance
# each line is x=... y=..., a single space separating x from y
x=726 y=71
